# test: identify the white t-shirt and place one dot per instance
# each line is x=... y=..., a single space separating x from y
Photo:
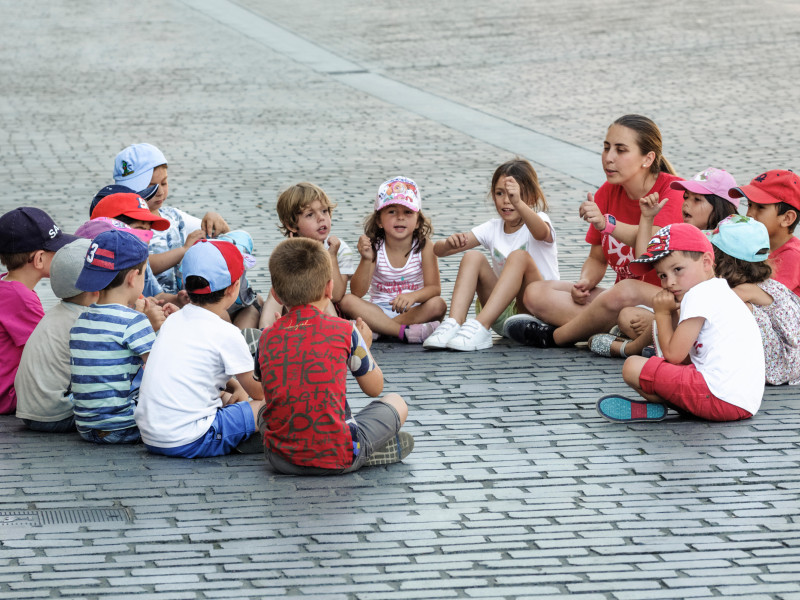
x=728 y=351
x=500 y=244
x=192 y=359
x=344 y=257
x=43 y=376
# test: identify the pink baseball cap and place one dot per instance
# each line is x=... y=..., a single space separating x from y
x=711 y=181
x=678 y=236
x=91 y=229
x=398 y=190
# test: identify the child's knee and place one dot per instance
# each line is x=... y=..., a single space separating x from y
x=397 y=402
x=438 y=307
x=632 y=369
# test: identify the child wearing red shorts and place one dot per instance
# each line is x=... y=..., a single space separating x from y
x=713 y=364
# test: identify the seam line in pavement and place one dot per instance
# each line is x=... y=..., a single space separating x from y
x=569 y=159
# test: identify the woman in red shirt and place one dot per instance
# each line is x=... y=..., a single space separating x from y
x=569 y=312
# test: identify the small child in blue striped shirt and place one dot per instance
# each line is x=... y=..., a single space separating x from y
x=110 y=341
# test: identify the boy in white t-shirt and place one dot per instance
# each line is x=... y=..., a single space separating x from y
x=195 y=398
x=715 y=330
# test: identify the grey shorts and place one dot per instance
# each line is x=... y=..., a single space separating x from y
x=377 y=423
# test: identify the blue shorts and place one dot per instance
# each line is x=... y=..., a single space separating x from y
x=232 y=425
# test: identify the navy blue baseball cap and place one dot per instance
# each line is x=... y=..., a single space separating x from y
x=146 y=193
x=27 y=229
x=110 y=253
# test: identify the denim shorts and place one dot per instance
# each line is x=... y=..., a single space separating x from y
x=129 y=435
x=232 y=425
x=62 y=426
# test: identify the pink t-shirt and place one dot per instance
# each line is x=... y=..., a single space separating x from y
x=612 y=200
x=786 y=264
x=20 y=311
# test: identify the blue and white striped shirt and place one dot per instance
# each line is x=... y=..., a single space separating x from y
x=105 y=347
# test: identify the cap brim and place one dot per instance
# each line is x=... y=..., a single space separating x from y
x=59 y=242
x=754 y=194
x=149 y=192
x=91 y=280
x=136 y=182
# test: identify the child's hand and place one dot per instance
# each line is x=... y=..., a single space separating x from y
x=639 y=324
x=590 y=212
x=402 y=302
x=183 y=298
x=365 y=248
x=333 y=246
x=213 y=225
x=193 y=237
x=365 y=331
x=457 y=241
x=580 y=291
x=513 y=191
x=664 y=302
x=650 y=206
x=154 y=313
x=169 y=308
x=139 y=304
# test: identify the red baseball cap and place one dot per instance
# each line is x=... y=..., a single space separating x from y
x=218 y=262
x=678 y=236
x=772 y=187
x=130 y=205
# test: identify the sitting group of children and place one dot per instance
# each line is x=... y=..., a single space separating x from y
x=145 y=284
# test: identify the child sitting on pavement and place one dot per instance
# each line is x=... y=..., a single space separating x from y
x=141 y=166
x=195 y=395
x=773 y=198
x=305 y=210
x=303 y=361
x=44 y=397
x=110 y=341
x=29 y=240
x=725 y=379
x=741 y=247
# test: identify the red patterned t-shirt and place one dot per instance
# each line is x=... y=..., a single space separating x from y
x=303 y=359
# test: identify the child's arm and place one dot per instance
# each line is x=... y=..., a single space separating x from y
x=361 y=279
x=675 y=343
x=431 y=287
x=752 y=294
x=270 y=312
x=339 y=280
x=371 y=383
x=251 y=386
x=166 y=260
x=153 y=312
x=649 y=207
x=536 y=225
x=592 y=272
x=623 y=232
x=458 y=242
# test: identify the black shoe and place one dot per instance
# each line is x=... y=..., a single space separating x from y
x=528 y=330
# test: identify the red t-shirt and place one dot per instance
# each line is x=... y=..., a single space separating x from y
x=786 y=264
x=612 y=200
x=304 y=358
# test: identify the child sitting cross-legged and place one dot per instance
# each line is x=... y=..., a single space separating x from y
x=724 y=378
x=198 y=395
x=303 y=359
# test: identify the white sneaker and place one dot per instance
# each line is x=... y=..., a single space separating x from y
x=471 y=336
x=443 y=334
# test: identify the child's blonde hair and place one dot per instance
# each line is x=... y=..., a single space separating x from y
x=300 y=269
x=522 y=171
x=377 y=236
x=294 y=199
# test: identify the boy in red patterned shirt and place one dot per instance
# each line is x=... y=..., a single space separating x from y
x=303 y=360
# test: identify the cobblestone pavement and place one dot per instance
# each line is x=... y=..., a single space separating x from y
x=516 y=488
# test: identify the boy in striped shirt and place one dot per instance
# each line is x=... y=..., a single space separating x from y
x=110 y=341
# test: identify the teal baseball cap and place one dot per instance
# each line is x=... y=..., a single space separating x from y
x=741 y=237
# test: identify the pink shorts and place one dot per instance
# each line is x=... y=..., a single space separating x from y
x=685 y=390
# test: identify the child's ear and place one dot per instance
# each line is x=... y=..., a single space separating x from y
x=274 y=295
x=131 y=277
x=788 y=218
x=329 y=289
x=708 y=261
